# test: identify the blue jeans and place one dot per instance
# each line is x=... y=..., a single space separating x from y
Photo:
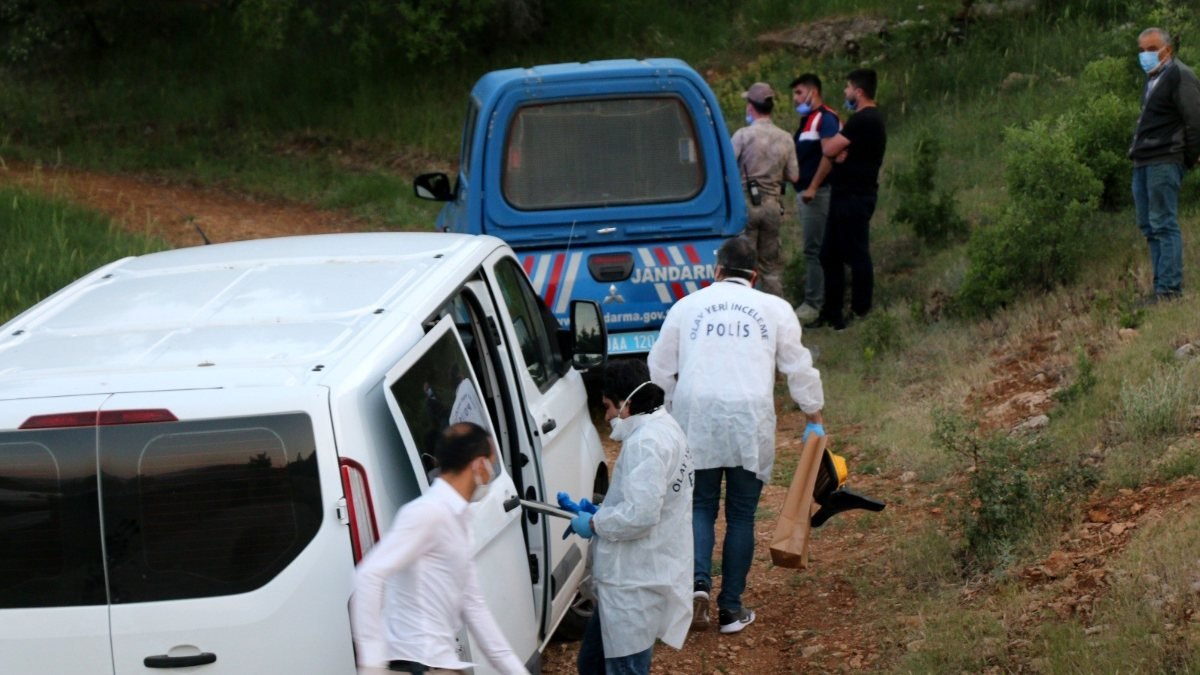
x=1156 y=200
x=742 y=490
x=591 y=659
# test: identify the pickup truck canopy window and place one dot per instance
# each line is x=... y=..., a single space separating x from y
x=602 y=152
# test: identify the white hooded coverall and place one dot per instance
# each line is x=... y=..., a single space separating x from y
x=642 y=551
x=716 y=358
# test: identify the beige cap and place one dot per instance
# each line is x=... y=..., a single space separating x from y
x=758 y=93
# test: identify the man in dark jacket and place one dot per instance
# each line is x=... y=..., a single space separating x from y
x=1165 y=145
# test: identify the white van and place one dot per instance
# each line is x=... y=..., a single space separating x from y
x=196 y=447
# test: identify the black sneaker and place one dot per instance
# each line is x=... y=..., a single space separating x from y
x=734 y=622
x=700 y=606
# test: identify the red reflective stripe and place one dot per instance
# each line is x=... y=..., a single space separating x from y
x=691 y=254
x=662 y=257
x=678 y=288
x=528 y=265
x=552 y=286
x=705 y=284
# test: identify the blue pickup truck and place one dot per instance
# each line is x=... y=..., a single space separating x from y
x=613 y=181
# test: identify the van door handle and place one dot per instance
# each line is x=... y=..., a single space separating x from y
x=164 y=661
x=549 y=425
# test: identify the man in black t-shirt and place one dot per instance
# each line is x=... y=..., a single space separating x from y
x=857 y=153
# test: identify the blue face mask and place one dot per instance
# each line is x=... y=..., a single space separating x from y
x=851 y=105
x=749 y=119
x=1148 y=60
x=804 y=108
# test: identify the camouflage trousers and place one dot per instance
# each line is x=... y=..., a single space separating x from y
x=762 y=229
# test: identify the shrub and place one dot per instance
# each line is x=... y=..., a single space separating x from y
x=1013 y=489
x=932 y=213
x=880 y=333
x=1085 y=380
x=1101 y=132
x=1039 y=240
x=1158 y=406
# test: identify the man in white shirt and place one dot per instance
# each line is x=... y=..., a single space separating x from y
x=418 y=586
x=715 y=359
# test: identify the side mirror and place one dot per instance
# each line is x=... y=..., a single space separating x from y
x=434 y=186
x=589 y=335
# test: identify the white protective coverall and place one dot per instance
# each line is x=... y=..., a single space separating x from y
x=642 y=550
x=716 y=358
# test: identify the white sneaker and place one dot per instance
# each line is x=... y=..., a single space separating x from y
x=807 y=313
x=734 y=623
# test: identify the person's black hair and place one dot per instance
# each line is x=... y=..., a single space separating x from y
x=808 y=80
x=460 y=444
x=765 y=107
x=865 y=79
x=737 y=258
x=622 y=377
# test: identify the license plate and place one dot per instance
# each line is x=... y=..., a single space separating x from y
x=638 y=342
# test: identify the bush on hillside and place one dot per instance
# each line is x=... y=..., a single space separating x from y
x=932 y=213
x=1102 y=129
x=1014 y=489
x=1039 y=240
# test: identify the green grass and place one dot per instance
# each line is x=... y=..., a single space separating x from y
x=47 y=243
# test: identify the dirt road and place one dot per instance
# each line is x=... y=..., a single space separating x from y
x=177 y=212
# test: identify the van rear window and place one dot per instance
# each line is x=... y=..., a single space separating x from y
x=602 y=152
x=50 y=552
x=190 y=509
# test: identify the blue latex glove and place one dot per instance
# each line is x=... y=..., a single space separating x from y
x=580 y=525
x=565 y=503
x=813 y=428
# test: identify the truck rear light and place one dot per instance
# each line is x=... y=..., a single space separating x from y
x=92 y=418
x=364 y=531
x=610 y=266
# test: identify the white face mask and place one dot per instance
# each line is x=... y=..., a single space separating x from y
x=621 y=428
x=482 y=486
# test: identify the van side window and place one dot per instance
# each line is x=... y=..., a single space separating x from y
x=435 y=392
x=534 y=324
x=206 y=508
x=50 y=551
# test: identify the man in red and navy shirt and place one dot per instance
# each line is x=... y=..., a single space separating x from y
x=818 y=124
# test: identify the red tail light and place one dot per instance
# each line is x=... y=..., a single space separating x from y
x=610 y=266
x=364 y=531
x=91 y=418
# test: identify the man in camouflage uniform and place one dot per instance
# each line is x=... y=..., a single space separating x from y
x=766 y=156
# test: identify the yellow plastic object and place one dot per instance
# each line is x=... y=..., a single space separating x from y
x=839 y=463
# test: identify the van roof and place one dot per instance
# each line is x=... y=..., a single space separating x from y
x=267 y=311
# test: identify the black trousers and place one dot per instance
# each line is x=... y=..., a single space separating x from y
x=848 y=244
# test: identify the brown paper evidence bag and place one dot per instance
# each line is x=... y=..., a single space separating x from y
x=817 y=493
